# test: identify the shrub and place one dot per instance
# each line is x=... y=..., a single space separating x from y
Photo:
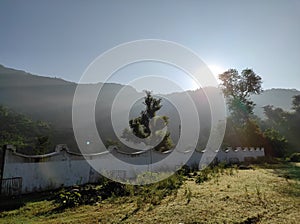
x=203 y=176
x=295 y=157
x=76 y=195
x=154 y=193
x=91 y=194
x=185 y=170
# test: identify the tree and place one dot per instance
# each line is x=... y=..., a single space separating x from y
x=276 y=143
x=281 y=128
x=148 y=127
x=242 y=127
x=42 y=143
x=19 y=130
x=293 y=121
x=248 y=135
x=296 y=103
x=275 y=118
x=238 y=88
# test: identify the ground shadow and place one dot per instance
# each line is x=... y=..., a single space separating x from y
x=8 y=203
x=291 y=173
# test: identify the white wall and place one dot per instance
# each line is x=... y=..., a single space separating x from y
x=64 y=168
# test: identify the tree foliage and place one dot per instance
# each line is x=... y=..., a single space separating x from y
x=281 y=128
x=148 y=127
x=243 y=127
x=248 y=135
x=276 y=143
x=296 y=103
x=238 y=88
x=19 y=130
x=276 y=118
x=292 y=125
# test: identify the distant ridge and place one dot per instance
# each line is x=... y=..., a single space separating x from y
x=12 y=77
x=277 y=97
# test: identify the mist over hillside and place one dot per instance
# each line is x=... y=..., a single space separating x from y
x=281 y=98
x=50 y=99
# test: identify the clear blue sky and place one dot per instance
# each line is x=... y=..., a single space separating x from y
x=60 y=38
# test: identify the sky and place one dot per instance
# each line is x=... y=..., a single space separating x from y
x=61 y=38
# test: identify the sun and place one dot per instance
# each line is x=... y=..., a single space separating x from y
x=216 y=70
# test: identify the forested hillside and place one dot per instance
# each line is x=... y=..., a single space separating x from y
x=50 y=100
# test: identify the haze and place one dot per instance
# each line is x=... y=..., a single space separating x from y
x=61 y=38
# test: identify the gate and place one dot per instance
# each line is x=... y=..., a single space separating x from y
x=11 y=186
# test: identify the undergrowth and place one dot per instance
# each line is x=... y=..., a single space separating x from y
x=91 y=194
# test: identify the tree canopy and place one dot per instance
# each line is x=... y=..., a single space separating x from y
x=243 y=127
x=285 y=123
x=19 y=130
x=238 y=88
x=148 y=127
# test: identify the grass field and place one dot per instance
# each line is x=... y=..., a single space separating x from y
x=264 y=194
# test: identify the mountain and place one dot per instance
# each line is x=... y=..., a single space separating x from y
x=277 y=97
x=50 y=99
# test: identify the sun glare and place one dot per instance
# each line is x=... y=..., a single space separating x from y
x=216 y=70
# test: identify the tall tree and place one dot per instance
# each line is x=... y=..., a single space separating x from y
x=238 y=88
x=148 y=127
x=242 y=127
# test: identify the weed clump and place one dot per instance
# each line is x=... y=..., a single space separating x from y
x=89 y=194
x=214 y=172
x=92 y=194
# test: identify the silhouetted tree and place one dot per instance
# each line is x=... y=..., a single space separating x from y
x=242 y=126
x=148 y=127
x=238 y=88
x=293 y=121
x=42 y=143
x=276 y=144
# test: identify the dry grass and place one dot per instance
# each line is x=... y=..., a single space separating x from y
x=246 y=196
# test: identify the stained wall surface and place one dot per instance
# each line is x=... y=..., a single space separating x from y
x=65 y=168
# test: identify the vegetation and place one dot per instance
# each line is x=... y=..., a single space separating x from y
x=242 y=126
x=91 y=194
x=148 y=127
x=262 y=194
x=295 y=157
x=266 y=193
x=238 y=88
x=277 y=133
x=19 y=130
x=284 y=126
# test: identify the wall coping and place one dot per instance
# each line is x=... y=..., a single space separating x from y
x=63 y=147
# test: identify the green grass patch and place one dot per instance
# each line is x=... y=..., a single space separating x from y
x=262 y=194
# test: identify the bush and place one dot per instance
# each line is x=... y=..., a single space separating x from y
x=262 y=160
x=154 y=193
x=295 y=157
x=202 y=177
x=185 y=170
x=91 y=194
x=72 y=197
